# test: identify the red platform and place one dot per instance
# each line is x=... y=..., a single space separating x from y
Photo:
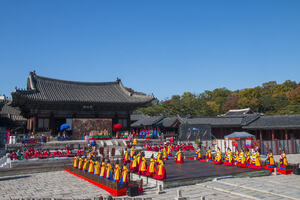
x=268 y=168
x=285 y=172
x=112 y=191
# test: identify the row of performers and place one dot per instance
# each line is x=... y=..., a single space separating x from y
x=169 y=147
x=243 y=159
x=138 y=164
x=105 y=170
x=161 y=154
x=42 y=154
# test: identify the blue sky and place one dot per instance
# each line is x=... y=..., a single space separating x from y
x=160 y=47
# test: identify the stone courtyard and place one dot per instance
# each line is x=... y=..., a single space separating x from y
x=62 y=185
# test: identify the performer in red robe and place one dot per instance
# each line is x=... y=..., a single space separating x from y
x=26 y=156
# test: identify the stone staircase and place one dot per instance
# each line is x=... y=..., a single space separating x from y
x=5 y=162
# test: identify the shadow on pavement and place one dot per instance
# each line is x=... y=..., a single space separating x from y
x=13 y=178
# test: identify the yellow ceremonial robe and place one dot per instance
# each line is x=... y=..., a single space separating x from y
x=75 y=164
x=117 y=174
x=97 y=168
x=91 y=166
x=102 y=173
x=85 y=165
x=80 y=164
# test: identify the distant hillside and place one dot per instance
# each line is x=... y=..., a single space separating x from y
x=270 y=98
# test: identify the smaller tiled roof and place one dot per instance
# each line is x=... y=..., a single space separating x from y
x=246 y=119
x=7 y=109
x=13 y=113
x=147 y=121
x=1 y=104
x=136 y=117
x=3 y=100
x=216 y=121
x=168 y=122
x=275 y=122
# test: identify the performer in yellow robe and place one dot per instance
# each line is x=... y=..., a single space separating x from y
x=97 y=168
x=85 y=165
x=125 y=175
x=230 y=158
x=134 y=143
x=161 y=171
x=117 y=173
x=151 y=167
x=218 y=157
x=248 y=158
x=198 y=154
x=208 y=154
x=90 y=155
x=165 y=155
x=108 y=174
x=80 y=163
x=253 y=156
x=138 y=158
x=91 y=167
x=75 y=163
x=143 y=167
x=257 y=160
x=133 y=165
x=103 y=168
x=179 y=157
x=242 y=159
x=283 y=163
x=158 y=156
x=270 y=160
x=126 y=158
x=131 y=153
x=169 y=151
x=236 y=156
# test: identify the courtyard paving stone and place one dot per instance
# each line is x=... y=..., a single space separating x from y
x=60 y=184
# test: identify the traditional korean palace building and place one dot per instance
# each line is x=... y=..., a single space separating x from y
x=280 y=127
x=48 y=103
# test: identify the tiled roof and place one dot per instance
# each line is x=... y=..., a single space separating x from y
x=136 y=117
x=7 y=109
x=275 y=122
x=168 y=122
x=147 y=121
x=47 y=89
x=1 y=104
x=217 y=121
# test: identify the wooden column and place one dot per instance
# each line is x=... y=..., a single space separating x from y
x=128 y=121
x=34 y=124
x=260 y=135
x=273 y=134
x=52 y=124
x=287 y=143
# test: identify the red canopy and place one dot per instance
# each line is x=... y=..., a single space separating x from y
x=117 y=127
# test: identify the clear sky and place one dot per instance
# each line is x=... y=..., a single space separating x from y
x=161 y=47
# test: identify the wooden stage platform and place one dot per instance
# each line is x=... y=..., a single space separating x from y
x=195 y=171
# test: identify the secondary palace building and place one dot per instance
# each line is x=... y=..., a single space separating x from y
x=48 y=103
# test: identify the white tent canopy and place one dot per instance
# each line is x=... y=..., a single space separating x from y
x=239 y=135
